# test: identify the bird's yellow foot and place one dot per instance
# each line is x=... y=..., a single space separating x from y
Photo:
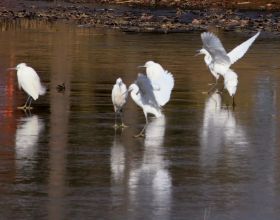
x=25 y=107
x=115 y=126
x=139 y=135
x=123 y=125
x=22 y=107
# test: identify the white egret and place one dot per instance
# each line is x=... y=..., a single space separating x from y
x=119 y=98
x=30 y=82
x=162 y=81
x=142 y=93
x=216 y=57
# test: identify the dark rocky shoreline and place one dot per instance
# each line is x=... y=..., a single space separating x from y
x=143 y=19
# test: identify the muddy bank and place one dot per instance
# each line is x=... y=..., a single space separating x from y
x=193 y=4
x=142 y=19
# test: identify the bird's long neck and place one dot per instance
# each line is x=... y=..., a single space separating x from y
x=120 y=87
x=136 y=98
x=207 y=58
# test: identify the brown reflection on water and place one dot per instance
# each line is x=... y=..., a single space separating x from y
x=8 y=130
x=61 y=67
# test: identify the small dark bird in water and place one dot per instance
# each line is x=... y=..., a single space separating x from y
x=60 y=88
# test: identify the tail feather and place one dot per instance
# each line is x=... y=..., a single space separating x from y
x=231 y=82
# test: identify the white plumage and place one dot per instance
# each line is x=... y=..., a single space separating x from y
x=30 y=82
x=119 y=98
x=230 y=82
x=216 y=57
x=162 y=82
x=241 y=49
x=219 y=61
x=143 y=95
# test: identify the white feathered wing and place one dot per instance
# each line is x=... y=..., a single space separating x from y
x=162 y=82
x=241 y=49
x=30 y=82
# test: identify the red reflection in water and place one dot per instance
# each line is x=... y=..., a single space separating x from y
x=8 y=126
x=8 y=120
x=9 y=90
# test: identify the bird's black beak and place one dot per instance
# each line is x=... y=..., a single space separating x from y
x=126 y=92
x=197 y=53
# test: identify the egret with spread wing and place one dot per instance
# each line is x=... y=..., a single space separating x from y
x=143 y=95
x=119 y=97
x=30 y=82
x=161 y=80
x=216 y=57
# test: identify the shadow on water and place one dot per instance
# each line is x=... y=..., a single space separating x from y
x=63 y=160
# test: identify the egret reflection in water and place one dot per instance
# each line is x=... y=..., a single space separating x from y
x=117 y=159
x=220 y=130
x=27 y=136
x=151 y=181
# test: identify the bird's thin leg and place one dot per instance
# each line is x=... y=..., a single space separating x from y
x=29 y=106
x=215 y=83
x=213 y=87
x=25 y=105
x=141 y=134
x=122 y=125
x=222 y=90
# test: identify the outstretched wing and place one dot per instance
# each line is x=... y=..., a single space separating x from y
x=163 y=87
x=162 y=82
x=213 y=45
x=146 y=91
x=241 y=49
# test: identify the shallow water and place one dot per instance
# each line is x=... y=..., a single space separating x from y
x=202 y=160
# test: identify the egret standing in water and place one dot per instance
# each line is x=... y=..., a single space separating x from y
x=143 y=95
x=30 y=82
x=216 y=57
x=152 y=91
x=161 y=80
x=119 y=97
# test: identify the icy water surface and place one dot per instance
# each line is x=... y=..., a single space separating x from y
x=202 y=160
